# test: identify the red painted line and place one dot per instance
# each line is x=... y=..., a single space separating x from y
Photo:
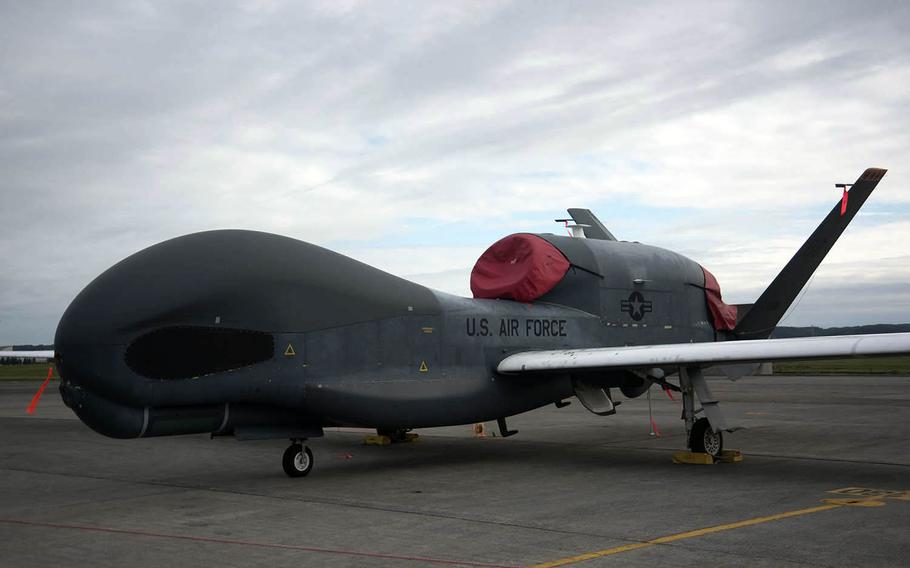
x=37 y=397
x=257 y=544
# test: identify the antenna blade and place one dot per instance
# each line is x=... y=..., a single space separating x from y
x=595 y=229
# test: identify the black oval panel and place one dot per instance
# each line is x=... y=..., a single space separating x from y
x=192 y=351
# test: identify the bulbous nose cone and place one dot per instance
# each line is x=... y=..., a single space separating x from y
x=207 y=279
x=212 y=278
x=215 y=281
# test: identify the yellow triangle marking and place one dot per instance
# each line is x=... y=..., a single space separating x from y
x=423 y=367
x=289 y=352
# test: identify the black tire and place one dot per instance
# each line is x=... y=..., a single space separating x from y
x=297 y=460
x=704 y=440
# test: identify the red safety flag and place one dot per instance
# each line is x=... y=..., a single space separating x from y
x=37 y=397
x=669 y=393
x=654 y=428
x=843 y=203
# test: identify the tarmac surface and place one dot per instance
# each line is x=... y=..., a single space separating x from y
x=825 y=482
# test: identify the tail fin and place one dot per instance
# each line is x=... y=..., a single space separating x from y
x=770 y=307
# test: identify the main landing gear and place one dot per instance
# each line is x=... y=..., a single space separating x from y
x=704 y=440
x=298 y=459
x=705 y=434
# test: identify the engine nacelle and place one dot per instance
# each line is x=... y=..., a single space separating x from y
x=634 y=386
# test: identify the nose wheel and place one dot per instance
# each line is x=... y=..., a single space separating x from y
x=297 y=460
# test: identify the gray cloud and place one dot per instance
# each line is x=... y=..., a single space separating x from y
x=122 y=125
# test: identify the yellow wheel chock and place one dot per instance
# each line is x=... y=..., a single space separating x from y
x=381 y=440
x=697 y=458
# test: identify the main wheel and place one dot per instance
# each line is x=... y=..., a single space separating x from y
x=297 y=460
x=704 y=440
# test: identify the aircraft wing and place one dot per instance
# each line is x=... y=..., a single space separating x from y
x=27 y=354
x=705 y=354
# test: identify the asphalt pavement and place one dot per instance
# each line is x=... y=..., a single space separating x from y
x=825 y=482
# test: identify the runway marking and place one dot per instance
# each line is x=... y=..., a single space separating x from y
x=872 y=493
x=830 y=504
x=216 y=540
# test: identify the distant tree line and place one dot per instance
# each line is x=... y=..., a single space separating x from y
x=4 y=360
x=12 y=360
x=812 y=331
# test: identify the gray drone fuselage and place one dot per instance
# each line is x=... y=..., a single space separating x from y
x=265 y=336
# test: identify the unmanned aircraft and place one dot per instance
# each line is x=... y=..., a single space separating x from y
x=261 y=336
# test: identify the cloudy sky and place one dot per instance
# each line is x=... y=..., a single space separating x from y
x=412 y=135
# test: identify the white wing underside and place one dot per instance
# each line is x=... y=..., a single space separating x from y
x=705 y=354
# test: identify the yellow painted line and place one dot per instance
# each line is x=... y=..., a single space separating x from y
x=693 y=534
x=593 y=555
x=856 y=502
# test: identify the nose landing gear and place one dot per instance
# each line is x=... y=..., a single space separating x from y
x=298 y=459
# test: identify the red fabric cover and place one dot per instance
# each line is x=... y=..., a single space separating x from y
x=724 y=314
x=519 y=267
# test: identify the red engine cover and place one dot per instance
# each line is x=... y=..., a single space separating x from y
x=724 y=315
x=519 y=267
